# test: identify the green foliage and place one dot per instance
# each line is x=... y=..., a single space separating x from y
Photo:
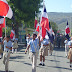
x=8 y=31
x=24 y=12
x=54 y=26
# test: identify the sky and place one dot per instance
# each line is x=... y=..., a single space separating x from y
x=58 y=5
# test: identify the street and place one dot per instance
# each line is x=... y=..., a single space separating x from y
x=21 y=63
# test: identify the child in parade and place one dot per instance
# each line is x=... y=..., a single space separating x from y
x=51 y=46
x=66 y=47
x=28 y=38
x=70 y=52
x=43 y=50
x=6 y=55
x=34 y=45
x=15 y=45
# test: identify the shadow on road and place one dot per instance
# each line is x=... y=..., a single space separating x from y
x=4 y=71
x=17 y=61
x=59 y=49
x=28 y=64
x=59 y=56
x=17 y=57
x=60 y=67
x=53 y=60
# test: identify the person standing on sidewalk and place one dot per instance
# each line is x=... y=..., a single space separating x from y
x=6 y=54
x=34 y=47
x=51 y=47
x=43 y=50
x=66 y=47
x=15 y=45
x=28 y=38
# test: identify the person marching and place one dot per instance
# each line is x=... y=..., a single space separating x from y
x=1 y=50
x=51 y=46
x=34 y=45
x=43 y=50
x=15 y=45
x=6 y=55
x=70 y=52
x=66 y=47
x=28 y=38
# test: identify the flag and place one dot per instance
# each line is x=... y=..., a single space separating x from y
x=0 y=31
x=12 y=35
x=44 y=23
x=44 y=20
x=58 y=31
x=36 y=22
x=5 y=9
x=50 y=34
x=37 y=28
x=67 y=31
x=2 y=21
x=42 y=32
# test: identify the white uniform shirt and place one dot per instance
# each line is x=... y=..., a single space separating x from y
x=44 y=42
x=28 y=40
x=70 y=42
x=8 y=44
x=34 y=45
x=66 y=42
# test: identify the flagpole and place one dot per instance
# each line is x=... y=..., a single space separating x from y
x=70 y=25
x=43 y=2
x=35 y=16
x=5 y=28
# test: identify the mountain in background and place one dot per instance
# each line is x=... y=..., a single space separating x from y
x=61 y=19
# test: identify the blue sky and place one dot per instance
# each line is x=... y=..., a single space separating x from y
x=58 y=5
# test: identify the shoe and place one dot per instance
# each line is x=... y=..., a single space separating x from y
x=70 y=66
x=40 y=64
x=43 y=65
x=0 y=56
x=6 y=71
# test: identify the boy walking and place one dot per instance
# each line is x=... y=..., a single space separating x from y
x=6 y=54
x=34 y=45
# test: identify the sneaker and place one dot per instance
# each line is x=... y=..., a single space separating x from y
x=0 y=56
x=40 y=64
x=70 y=66
x=6 y=71
x=43 y=65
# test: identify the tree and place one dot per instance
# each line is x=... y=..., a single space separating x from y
x=54 y=26
x=24 y=12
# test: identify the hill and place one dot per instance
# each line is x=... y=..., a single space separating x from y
x=61 y=19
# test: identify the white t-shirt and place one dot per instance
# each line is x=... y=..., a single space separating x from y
x=28 y=40
x=70 y=42
x=66 y=42
x=44 y=42
x=8 y=44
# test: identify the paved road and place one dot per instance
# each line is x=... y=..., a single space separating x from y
x=20 y=63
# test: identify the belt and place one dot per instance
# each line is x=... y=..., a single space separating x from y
x=33 y=52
